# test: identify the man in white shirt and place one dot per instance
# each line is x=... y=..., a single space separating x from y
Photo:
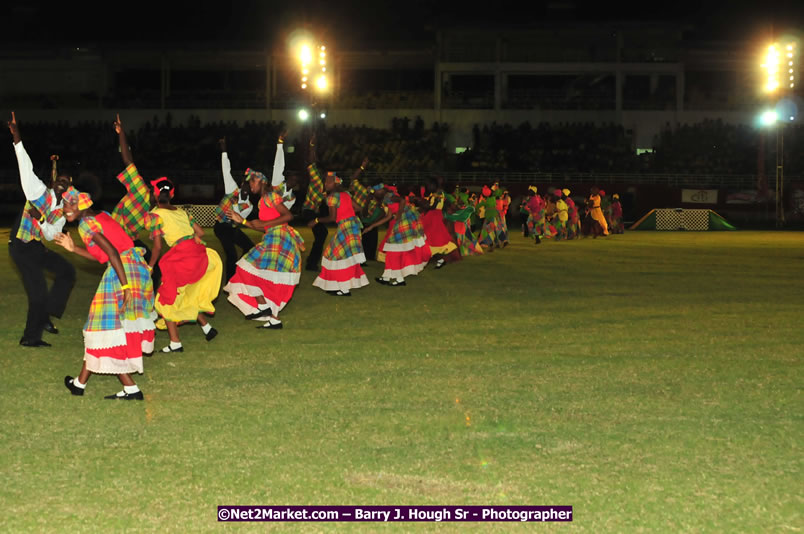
x=41 y=218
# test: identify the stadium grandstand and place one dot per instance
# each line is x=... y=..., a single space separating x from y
x=641 y=106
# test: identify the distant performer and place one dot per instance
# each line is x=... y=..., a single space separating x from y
x=340 y=266
x=596 y=213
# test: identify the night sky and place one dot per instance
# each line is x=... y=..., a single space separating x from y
x=353 y=22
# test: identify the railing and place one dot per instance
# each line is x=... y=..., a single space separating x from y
x=9 y=180
x=735 y=181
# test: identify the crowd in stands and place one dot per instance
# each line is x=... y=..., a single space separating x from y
x=409 y=145
x=578 y=147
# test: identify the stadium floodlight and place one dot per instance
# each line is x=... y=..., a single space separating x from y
x=304 y=114
x=775 y=56
x=324 y=116
x=322 y=83
x=305 y=54
x=768 y=118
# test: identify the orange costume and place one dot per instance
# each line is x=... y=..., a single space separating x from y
x=597 y=213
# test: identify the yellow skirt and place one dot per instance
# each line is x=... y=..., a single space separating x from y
x=194 y=298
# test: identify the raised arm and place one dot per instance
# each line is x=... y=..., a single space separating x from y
x=125 y=150
x=312 y=156
x=32 y=186
x=278 y=175
x=229 y=184
x=360 y=169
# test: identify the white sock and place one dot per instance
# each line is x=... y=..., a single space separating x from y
x=263 y=306
x=174 y=345
x=78 y=384
x=206 y=328
x=131 y=389
x=400 y=280
x=273 y=320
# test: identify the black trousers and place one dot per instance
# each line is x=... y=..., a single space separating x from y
x=156 y=274
x=231 y=237
x=320 y=237
x=33 y=259
x=370 y=244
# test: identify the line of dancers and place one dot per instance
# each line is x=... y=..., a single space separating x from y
x=425 y=226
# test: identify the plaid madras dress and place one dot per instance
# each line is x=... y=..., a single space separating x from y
x=490 y=234
x=272 y=268
x=132 y=210
x=404 y=250
x=340 y=263
x=466 y=241
x=315 y=191
x=574 y=224
x=116 y=338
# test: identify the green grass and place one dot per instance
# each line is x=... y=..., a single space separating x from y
x=651 y=380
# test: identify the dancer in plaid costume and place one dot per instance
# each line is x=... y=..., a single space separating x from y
x=617 y=226
x=40 y=219
x=535 y=208
x=236 y=199
x=131 y=213
x=404 y=249
x=120 y=326
x=442 y=247
x=266 y=276
x=466 y=241
x=191 y=272
x=340 y=265
x=490 y=234
x=574 y=223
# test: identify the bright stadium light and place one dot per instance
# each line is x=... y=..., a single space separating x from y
x=773 y=61
x=322 y=83
x=324 y=116
x=768 y=118
x=304 y=114
x=305 y=54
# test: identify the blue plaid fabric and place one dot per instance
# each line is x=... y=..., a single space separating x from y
x=105 y=310
x=279 y=250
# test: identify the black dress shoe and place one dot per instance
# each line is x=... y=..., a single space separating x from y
x=257 y=315
x=383 y=282
x=128 y=396
x=75 y=390
x=50 y=328
x=211 y=334
x=34 y=343
x=396 y=283
x=269 y=326
x=167 y=349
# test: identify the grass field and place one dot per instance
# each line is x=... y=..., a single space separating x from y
x=651 y=380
